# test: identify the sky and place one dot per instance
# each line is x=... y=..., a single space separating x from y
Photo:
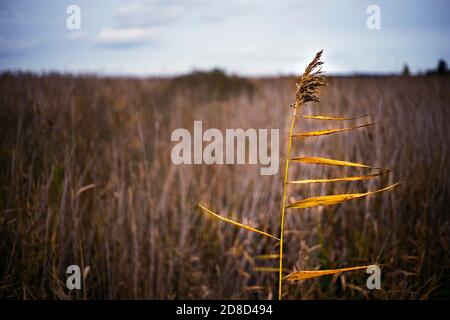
x=248 y=37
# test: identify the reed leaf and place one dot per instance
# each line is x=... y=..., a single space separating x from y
x=302 y=275
x=353 y=178
x=318 y=117
x=83 y=189
x=328 y=131
x=237 y=224
x=327 y=161
x=255 y=288
x=268 y=256
x=333 y=199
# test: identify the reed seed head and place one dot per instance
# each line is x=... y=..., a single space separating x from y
x=309 y=83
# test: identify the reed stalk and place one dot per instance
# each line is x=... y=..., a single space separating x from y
x=283 y=205
x=307 y=91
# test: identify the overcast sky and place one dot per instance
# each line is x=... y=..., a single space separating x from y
x=251 y=37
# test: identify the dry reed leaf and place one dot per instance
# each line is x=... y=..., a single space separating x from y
x=326 y=161
x=83 y=189
x=332 y=117
x=333 y=199
x=268 y=256
x=353 y=178
x=240 y=225
x=244 y=274
x=302 y=275
x=255 y=288
x=329 y=131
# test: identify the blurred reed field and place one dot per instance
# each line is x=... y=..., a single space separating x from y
x=86 y=178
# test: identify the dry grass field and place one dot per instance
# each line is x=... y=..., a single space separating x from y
x=86 y=178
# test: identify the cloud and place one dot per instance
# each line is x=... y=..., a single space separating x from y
x=144 y=13
x=124 y=37
x=139 y=22
x=150 y=13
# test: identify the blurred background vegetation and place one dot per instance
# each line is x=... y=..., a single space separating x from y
x=86 y=179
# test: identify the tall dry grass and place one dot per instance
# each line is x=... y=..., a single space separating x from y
x=86 y=178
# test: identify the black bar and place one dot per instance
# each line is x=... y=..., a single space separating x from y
x=221 y=309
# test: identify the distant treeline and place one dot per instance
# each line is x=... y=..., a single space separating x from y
x=441 y=70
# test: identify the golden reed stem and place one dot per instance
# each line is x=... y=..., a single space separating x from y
x=280 y=273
